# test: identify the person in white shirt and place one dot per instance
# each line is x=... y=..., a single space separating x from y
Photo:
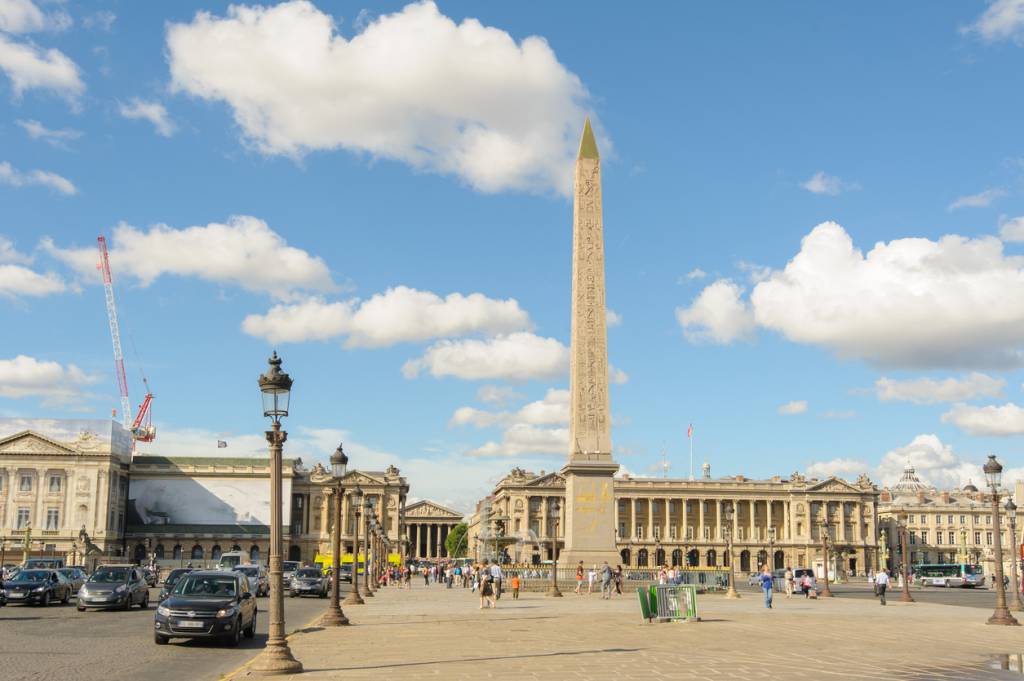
x=881 y=584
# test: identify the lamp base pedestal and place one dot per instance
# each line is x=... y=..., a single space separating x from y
x=276 y=659
x=334 y=617
x=353 y=599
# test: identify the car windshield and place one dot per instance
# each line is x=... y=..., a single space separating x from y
x=175 y=576
x=249 y=571
x=109 y=576
x=290 y=565
x=69 y=573
x=205 y=585
x=308 y=573
x=33 y=576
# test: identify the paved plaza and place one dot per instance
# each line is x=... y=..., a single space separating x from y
x=436 y=633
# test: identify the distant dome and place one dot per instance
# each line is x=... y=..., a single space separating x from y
x=909 y=482
x=969 y=487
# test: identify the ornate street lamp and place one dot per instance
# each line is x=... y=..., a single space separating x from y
x=334 y=617
x=727 y=530
x=1011 y=511
x=553 y=591
x=771 y=547
x=366 y=587
x=904 y=535
x=826 y=592
x=276 y=386
x=994 y=474
x=357 y=502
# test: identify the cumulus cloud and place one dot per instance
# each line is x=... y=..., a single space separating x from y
x=413 y=86
x=521 y=439
x=998 y=421
x=10 y=175
x=513 y=357
x=696 y=273
x=400 y=314
x=1012 y=229
x=16 y=280
x=10 y=254
x=58 y=385
x=24 y=16
x=979 y=200
x=841 y=468
x=823 y=183
x=1001 y=20
x=245 y=252
x=793 y=408
x=931 y=391
x=55 y=138
x=31 y=67
x=154 y=112
x=914 y=303
x=553 y=409
x=498 y=395
x=719 y=314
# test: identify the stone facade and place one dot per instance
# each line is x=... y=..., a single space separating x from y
x=59 y=488
x=680 y=522
x=428 y=524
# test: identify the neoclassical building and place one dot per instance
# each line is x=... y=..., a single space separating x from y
x=428 y=524
x=66 y=483
x=662 y=521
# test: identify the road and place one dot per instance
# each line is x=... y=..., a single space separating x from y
x=972 y=598
x=61 y=643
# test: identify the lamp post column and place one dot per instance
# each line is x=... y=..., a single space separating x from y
x=354 y=598
x=1011 y=511
x=366 y=587
x=827 y=592
x=905 y=597
x=553 y=591
x=334 y=616
x=1002 y=614
x=731 y=592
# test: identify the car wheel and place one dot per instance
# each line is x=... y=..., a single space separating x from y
x=127 y=603
x=145 y=601
x=160 y=640
x=250 y=631
x=236 y=633
x=67 y=597
x=81 y=609
x=45 y=600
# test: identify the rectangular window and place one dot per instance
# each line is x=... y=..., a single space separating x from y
x=977 y=537
x=622 y=530
x=26 y=483
x=952 y=538
x=963 y=519
x=673 y=532
x=639 y=531
x=950 y=519
x=924 y=520
x=938 y=537
x=52 y=519
x=913 y=538
x=938 y=520
x=55 y=481
x=657 y=531
x=988 y=538
x=23 y=519
x=924 y=536
x=988 y=520
x=707 y=532
x=977 y=520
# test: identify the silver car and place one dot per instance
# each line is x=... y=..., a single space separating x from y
x=259 y=581
x=309 y=582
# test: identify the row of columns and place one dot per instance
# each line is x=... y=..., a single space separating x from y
x=426 y=540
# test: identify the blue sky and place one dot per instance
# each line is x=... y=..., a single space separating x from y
x=415 y=161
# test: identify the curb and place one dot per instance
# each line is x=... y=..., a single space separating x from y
x=229 y=676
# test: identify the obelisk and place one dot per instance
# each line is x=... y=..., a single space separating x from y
x=589 y=497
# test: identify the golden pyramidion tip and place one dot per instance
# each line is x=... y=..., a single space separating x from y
x=588 y=145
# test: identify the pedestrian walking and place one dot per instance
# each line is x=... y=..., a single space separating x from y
x=579 y=577
x=618 y=579
x=768 y=584
x=591 y=576
x=789 y=582
x=497 y=577
x=515 y=587
x=486 y=592
x=426 y=577
x=881 y=584
x=606 y=581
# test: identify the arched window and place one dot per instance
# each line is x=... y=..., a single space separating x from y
x=726 y=557
x=294 y=553
x=254 y=553
x=641 y=558
x=159 y=552
x=677 y=558
x=744 y=561
x=780 y=560
x=712 y=558
x=197 y=552
x=693 y=558
x=659 y=557
x=177 y=552
x=762 y=558
x=624 y=554
x=215 y=552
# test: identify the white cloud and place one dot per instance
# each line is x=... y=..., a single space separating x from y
x=1012 y=229
x=58 y=385
x=24 y=16
x=55 y=138
x=951 y=303
x=1001 y=20
x=718 y=314
x=244 y=252
x=696 y=273
x=9 y=254
x=31 y=67
x=102 y=20
x=400 y=314
x=43 y=178
x=823 y=183
x=413 y=86
x=612 y=318
x=992 y=420
x=521 y=438
x=154 y=112
x=498 y=395
x=553 y=409
x=931 y=391
x=841 y=468
x=793 y=408
x=979 y=200
x=513 y=357
x=617 y=376
x=16 y=280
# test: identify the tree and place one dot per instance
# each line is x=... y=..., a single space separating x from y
x=457 y=542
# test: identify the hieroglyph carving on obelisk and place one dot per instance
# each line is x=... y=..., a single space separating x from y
x=590 y=416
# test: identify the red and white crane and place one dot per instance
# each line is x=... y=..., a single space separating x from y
x=141 y=427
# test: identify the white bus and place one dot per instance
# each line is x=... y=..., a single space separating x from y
x=963 y=575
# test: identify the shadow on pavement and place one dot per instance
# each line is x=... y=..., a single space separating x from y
x=476 y=659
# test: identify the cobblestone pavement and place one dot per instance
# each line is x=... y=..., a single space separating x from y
x=436 y=633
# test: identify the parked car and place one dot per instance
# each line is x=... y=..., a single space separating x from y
x=309 y=582
x=207 y=604
x=169 y=582
x=114 y=586
x=76 y=578
x=37 y=586
x=345 y=575
x=259 y=581
x=288 y=570
x=43 y=563
x=150 y=575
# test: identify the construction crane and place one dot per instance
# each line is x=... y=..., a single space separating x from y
x=141 y=427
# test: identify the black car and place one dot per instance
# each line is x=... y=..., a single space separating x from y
x=169 y=582
x=309 y=582
x=114 y=586
x=37 y=586
x=76 y=578
x=207 y=604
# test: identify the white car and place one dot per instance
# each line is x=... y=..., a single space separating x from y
x=259 y=582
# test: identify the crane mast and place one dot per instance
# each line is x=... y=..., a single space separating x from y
x=115 y=334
